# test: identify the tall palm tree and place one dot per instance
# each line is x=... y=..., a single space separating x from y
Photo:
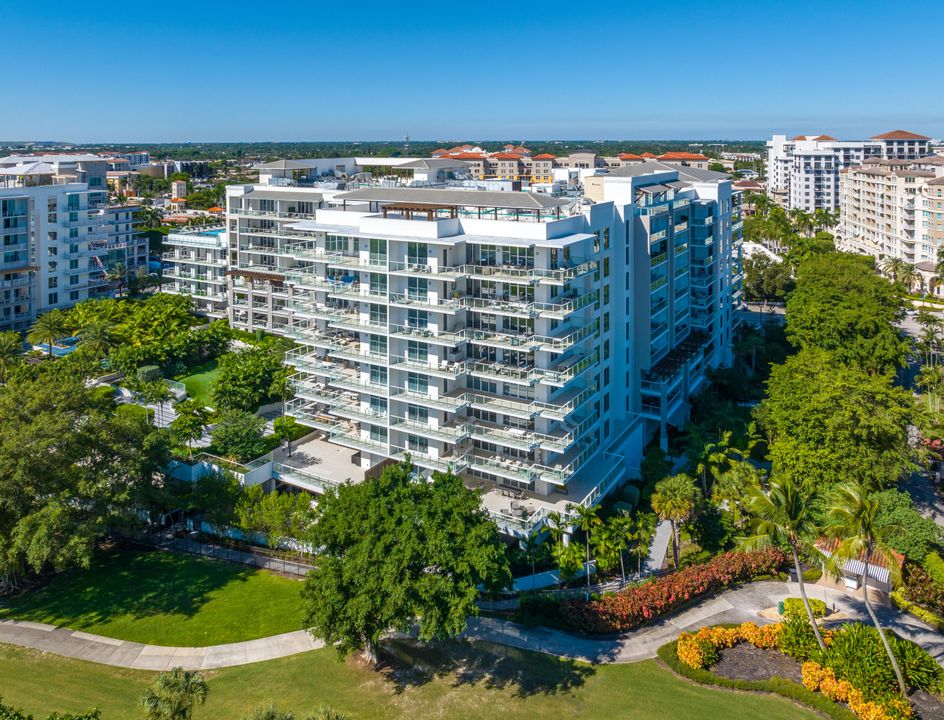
x=529 y=545
x=48 y=328
x=174 y=694
x=731 y=489
x=853 y=516
x=802 y=221
x=587 y=518
x=674 y=500
x=623 y=529
x=781 y=515
x=11 y=353
x=97 y=338
x=118 y=274
x=643 y=530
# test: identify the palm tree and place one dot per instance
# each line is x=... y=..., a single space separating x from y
x=190 y=423
x=587 y=518
x=97 y=338
x=118 y=274
x=645 y=528
x=802 y=221
x=674 y=500
x=555 y=526
x=48 y=328
x=11 y=353
x=608 y=545
x=781 y=515
x=154 y=393
x=900 y=270
x=731 y=489
x=531 y=543
x=174 y=694
x=623 y=530
x=326 y=713
x=853 y=517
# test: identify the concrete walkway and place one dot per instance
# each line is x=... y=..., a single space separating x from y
x=121 y=653
x=734 y=606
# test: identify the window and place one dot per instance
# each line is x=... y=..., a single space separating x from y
x=378 y=345
x=417 y=318
x=53 y=298
x=378 y=250
x=417 y=444
x=417 y=351
x=417 y=288
x=416 y=253
x=378 y=375
x=378 y=314
x=417 y=414
x=53 y=283
x=378 y=283
x=417 y=383
x=378 y=406
x=378 y=434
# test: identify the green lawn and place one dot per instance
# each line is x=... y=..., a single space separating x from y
x=479 y=682
x=199 y=379
x=165 y=599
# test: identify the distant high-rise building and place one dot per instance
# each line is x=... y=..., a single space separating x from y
x=803 y=172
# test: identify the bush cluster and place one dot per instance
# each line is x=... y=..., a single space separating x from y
x=902 y=603
x=822 y=679
x=794 y=606
x=638 y=605
x=921 y=589
x=700 y=649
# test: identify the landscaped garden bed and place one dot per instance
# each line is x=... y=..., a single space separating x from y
x=635 y=606
x=852 y=674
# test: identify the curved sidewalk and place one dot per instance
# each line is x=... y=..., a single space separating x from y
x=733 y=606
x=138 y=656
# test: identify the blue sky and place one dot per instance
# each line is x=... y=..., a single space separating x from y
x=341 y=70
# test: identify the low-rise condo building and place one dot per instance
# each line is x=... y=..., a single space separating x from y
x=531 y=344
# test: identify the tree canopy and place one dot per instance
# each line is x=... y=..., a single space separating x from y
x=394 y=551
x=828 y=422
x=841 y=305
x=73 y=468
x=248 y=378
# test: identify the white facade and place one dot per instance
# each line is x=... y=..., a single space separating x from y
x=803 y=172
x=58 y=235
x=195 y=264
x=529 y=343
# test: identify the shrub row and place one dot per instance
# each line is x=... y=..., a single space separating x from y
x=822 y=679
x=699 y=650
x=920 y=588
x=902 y=603
x=638 y=605
x=776 y=685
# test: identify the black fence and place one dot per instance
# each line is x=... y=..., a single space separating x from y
x=168 y=540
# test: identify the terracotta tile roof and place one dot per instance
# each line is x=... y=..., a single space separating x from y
x=820 y=138
x=466 y=156
x=506 y=156
x=629 y=156
x=899 y=135
x=647 y=155
x=681 y=156
x=439 y=151
x=829 y=545
x=544 y=156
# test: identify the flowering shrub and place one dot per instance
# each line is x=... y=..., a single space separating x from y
x=824 y=680
x=635 y=606
x=700 y=649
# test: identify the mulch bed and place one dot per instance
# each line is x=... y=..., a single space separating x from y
x=746 y=662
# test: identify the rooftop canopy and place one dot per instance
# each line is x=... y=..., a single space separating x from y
x=447 y=197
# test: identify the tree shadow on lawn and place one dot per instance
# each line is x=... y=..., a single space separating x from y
x=407 y=663
x=125 y=583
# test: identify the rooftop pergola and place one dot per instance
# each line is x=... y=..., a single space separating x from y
x=431 y=210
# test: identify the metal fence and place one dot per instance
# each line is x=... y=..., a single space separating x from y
x=169 y=541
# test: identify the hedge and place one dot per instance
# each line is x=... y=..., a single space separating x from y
x=668 y=654
x=636 y=606
x=795 y=606
x=926 y=616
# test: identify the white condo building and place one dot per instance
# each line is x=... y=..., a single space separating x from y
x=59 y=235
x=196 y=263
x=531 y=344
x=803 y=172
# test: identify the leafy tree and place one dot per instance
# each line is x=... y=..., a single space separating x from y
x=730 y=491
x=246 y=378
x=842 y=306
x=395 y=551
x=826 y=422
x=190 y=423
x=766 y=279
x=47 y=329
x=238 y=435
x=73 y=468
x=674 y=500
x=215 y=494
x=569 y=561
x=784 y=516
x=910 y=533
x=11 y=353
x=174 y=694
x=272 y=514
x=854 y=520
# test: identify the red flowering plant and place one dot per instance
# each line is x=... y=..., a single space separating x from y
x=635 y=606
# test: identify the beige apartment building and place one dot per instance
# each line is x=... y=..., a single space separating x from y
x=889 y=208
